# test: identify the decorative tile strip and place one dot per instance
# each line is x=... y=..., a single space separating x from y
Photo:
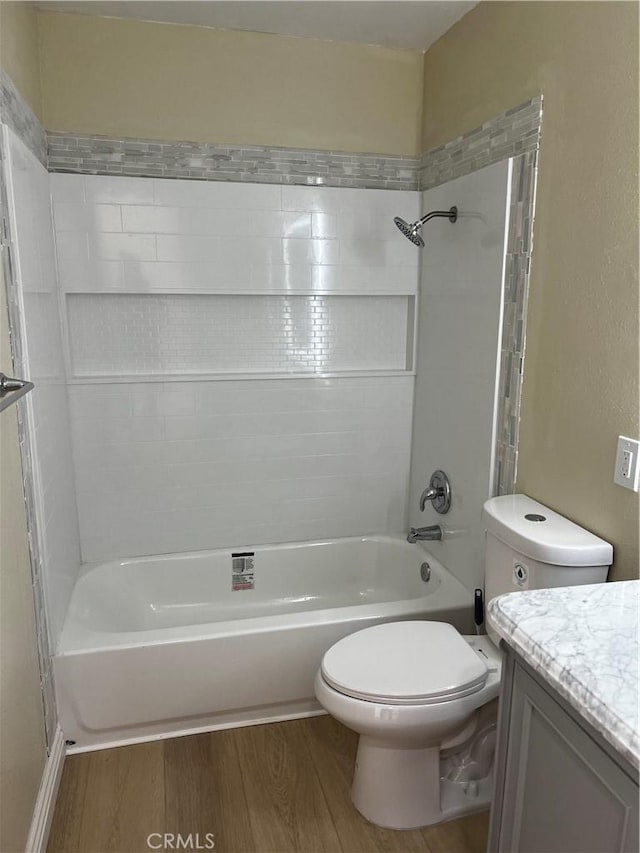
x=516 y=293
x=509 y=134
x=18 y=115
x=102 y=155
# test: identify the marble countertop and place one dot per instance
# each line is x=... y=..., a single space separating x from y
x=583 y=640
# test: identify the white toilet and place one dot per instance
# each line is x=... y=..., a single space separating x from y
x=420 y=694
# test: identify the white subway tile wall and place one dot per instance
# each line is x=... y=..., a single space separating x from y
x=145 y=235
x=163 y=468
x=227 y=277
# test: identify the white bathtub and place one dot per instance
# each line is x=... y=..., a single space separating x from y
x=159 y=646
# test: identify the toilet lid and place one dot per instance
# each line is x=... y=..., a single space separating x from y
x=405 y=663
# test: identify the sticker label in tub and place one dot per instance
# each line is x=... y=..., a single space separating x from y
x=242 y=571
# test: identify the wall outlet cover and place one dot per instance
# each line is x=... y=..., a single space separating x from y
x=627 y=470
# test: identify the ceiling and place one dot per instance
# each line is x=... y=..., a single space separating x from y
x=392 y=23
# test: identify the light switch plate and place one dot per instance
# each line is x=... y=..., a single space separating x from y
x=627 y=470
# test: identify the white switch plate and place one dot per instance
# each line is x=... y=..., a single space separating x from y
x=627 y=471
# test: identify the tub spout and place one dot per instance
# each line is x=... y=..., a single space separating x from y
x=431 y=533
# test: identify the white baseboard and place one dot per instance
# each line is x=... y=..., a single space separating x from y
x=46 y=800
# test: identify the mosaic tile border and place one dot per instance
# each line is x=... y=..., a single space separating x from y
x=510 y=134
x=18 y=115
x=101 y=155
x=516 y=134
x=514 y=320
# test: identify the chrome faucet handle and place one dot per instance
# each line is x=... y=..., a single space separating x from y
x=438 y=492
x=429 y=494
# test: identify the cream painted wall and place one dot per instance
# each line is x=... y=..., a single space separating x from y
x=22 y=744
x=581 y=366
x=19 y=50
x=163 y=81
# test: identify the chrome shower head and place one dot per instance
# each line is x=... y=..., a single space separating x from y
x=410 y=231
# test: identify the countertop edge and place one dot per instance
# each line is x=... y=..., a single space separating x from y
x=613 y=728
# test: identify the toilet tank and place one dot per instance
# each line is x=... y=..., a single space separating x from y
x=529 y=546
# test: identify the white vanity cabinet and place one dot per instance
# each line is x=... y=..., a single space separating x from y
x=560 y=786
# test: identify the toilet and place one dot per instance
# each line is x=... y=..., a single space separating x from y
x=423 y=697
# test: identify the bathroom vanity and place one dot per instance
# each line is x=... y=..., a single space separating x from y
x=568 y=745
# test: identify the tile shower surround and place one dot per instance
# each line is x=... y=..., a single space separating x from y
x=514 y=133
x=458 y=157
x=287 y=279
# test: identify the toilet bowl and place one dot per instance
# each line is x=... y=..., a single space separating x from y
x=406 y=714
x=422 y=696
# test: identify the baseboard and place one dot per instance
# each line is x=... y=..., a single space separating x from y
x=46 y=800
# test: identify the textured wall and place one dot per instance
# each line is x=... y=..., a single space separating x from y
x=19 y=51
x=136 y=79
x=22 y=723
x=581 y=365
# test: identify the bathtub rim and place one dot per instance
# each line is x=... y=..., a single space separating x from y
x=394 y=538
x=76 y=638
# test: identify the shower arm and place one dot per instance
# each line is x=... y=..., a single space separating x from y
x=451 y=215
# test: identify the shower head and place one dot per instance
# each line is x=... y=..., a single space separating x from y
x=410 y=231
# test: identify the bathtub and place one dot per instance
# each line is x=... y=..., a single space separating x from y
x=155 y=647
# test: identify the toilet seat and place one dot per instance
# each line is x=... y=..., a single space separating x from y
x=405 y=663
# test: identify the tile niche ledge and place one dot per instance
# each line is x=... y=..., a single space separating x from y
x=218 y=377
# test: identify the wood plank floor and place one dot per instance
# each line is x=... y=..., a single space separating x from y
x=262 y=789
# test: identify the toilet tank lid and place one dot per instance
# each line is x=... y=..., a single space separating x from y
x=538 y=532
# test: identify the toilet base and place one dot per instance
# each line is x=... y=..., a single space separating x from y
x=400 y=788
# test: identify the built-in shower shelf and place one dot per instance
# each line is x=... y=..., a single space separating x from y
x=240 y=291
x=207 y=377
x=195 y=336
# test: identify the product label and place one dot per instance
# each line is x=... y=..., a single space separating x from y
x=242 y=571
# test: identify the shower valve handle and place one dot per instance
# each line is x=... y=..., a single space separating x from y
x=428 y=495
x=438 y=492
